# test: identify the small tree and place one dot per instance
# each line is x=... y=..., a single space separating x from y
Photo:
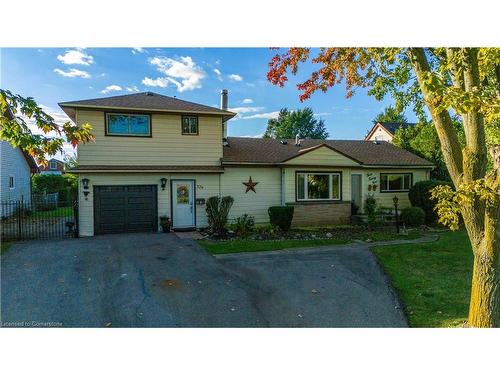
x=290 y=123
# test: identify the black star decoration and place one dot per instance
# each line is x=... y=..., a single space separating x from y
x=250 y=185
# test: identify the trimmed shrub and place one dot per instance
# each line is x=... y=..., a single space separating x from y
x=217 y=212
x=412 y=216
x=244 y=225
x=281 y=216
x=420 y=196
x=371 y=209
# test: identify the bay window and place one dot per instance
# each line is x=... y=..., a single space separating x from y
x=317 y=186
x=394 y=182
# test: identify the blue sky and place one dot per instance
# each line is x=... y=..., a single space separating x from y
x=52 y=75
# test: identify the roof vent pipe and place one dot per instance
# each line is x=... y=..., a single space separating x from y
x=223 y=106
x=297 y=140
x=223 y=100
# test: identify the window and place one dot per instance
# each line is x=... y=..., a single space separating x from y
x=315 y=186
x=53 y=165
x=189 y=125
x=128 y=125
x=395 y=182
x=11 y=182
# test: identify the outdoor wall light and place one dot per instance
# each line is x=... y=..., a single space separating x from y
x=85 y=183
x=163 y=183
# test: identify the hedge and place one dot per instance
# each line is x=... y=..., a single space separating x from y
x=420 y=196
x=281 y=216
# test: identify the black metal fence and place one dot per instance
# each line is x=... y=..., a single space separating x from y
x=40 y=220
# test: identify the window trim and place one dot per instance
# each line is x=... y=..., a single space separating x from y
x=50 y=165
x=13 y=179
x=197 y=124
x=382 y=190
x=330 y=173
x=108 y=134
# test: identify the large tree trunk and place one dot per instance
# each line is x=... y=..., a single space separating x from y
x=481 y=219
x=484 y=309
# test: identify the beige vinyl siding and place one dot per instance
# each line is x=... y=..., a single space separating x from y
x=322 y=156
x=386 y=199
x=207 y=185
x=256 y=204
x=167 y=146
x=380 y=134
x=289 y=180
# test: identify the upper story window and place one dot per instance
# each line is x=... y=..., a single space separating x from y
x=11 y=182
x=122 y=124
x=315 y=186
x=190 y=125
x=53 y=165
x=394 y=182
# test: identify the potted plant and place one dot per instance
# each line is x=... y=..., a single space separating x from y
x=165 y=224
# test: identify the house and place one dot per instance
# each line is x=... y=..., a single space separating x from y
x=155 y=155
x=16 y=170
x=384 y=131
x=54 y=166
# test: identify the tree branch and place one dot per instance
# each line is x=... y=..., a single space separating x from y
x=456 y=73
x=450 y=145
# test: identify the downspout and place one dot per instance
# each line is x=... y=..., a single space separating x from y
x=282 y=186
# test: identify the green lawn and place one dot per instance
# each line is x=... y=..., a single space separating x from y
x=238 y=246
x=433 y=279
x=250 y=245
x=58 y=212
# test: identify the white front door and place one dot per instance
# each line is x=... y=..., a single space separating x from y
x=183 y=204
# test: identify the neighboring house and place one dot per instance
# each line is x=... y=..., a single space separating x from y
x=384 y=131
x=155 y=155
x=53 y=166
x=16 y=169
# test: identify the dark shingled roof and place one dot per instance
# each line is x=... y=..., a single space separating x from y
x=272 y=151
x=144 y=101
x=393 y=126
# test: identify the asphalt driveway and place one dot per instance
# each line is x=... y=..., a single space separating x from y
x=158 y=280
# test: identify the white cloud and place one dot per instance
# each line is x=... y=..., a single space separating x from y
x=76 y=57
x=132 y=89
x=268 y=115
x=323 y=114
x=235 y=77
x=111 y=88
x=183 y=73
x=136 y=50
x=72 y=73
x=241 y=110
x=247 y=101
x=218 y=73
x=253 y=136
x=158 y=82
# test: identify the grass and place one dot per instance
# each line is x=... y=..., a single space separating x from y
x=247 y=245
x=58 y=212
x=251 y=245
x=433 y=280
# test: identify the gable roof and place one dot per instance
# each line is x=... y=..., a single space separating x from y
x=273 y=151
x=391 y=127
x=29 y=159
x=144 y=101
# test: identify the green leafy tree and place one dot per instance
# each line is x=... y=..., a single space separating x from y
x=391 y=114
x=45 y=137
x=464 y=81
x=290 y=123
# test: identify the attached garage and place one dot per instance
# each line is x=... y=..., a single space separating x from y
x=125 y=208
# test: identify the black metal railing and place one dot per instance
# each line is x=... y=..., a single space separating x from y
x=38 y=220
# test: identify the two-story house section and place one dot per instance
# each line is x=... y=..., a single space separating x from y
x=155 y=155
x=53 y=166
